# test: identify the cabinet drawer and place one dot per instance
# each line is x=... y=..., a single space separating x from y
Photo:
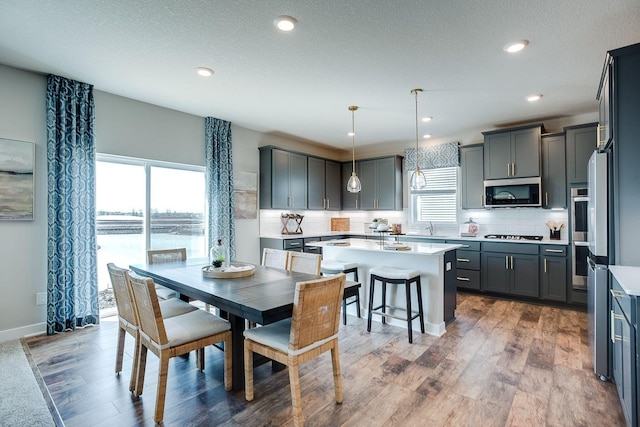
x=466 y=245
x=511 y=248
x=468 y=260
x=621 y=297
x=468 y=279
x=292 y=244
x=553 y=250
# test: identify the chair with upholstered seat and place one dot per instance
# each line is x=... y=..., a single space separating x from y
x=311 y=331
x=304 y=262
x=127 y=322
x=351 y=288
x=166 y=255
x=276 y=258
x=172 y=337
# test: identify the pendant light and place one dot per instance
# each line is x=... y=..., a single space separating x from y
x=418 y=179
x=353 y=186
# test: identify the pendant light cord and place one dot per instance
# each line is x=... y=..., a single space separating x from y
x=415 y=92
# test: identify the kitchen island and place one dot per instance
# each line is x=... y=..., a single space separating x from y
x=435 y=261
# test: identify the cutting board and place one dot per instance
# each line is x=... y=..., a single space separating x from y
x=340 y=224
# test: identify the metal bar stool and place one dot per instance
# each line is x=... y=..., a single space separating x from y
x=400 y=277
x=351 y=288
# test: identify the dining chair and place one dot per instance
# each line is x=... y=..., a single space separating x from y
x=172 y=337
x=127 y=322
x=276 y=258
x=304 y=262
x=166 y=255
x=311 y=331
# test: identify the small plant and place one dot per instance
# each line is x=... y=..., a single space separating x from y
x=217 y=263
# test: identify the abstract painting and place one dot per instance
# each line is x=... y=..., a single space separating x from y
x=245 y=195
x=16 y=179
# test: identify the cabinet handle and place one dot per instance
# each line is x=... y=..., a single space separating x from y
x=506 y=262
x=513 y=169
x=328 y=203
x=463 y=260
x=465 y=246
x=546 y=198
x=545 y=266
x=463 y=279
x=294 y=244
x=511 y=262
x=557 y=251
x=508 y=169
x=613 y=326
x=356 y=203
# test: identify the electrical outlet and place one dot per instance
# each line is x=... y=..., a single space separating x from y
x=41 y=298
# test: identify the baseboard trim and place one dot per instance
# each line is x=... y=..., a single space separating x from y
x=23 y=332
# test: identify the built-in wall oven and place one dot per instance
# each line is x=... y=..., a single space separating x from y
x=579 y=229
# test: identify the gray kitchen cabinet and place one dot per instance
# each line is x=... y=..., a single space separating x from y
x=512 y=153
x=381 y=181
x=283 y=179
x=350 y=201
x=624 y=352
x=323 y=184
x=553 y=272
x=472 y=164
x=554 y=182
x=467 y=264
x=581 y=141
x=511 y=268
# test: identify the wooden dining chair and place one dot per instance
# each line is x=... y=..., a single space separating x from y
x=172 y=337
x=304 y=262
x=127 y=322
x=166 y=255
x=276 y=258
x=311 y=331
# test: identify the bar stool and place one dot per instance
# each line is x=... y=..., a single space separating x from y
x=351 y=288
x=395 y=276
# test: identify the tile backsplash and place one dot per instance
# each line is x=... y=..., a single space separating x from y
x=527 y=221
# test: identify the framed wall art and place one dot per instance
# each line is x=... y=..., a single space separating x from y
x=245 y=195
x=17 y=159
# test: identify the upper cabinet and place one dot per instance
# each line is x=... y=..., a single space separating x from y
x=604 y=105
x=323 y=184
x=283 y=179
x=581 y=141
x=554 y=182
x=512 y=153
x=471 y=162
x=381 y=181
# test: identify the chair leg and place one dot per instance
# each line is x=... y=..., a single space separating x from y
x=407 y=287
x=142 y=364
x=228 y=366
x=384 y=301
x=135 y=367
x=358 y=303
x=120 y=349
x=248 y=370
x=161 y=394
x=344 y=311
x=337 y=377
x=296 y=399
x=372 y=281
x=420 y=309
x=200 y=359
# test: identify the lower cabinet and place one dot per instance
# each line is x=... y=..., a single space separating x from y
x=553 y=273
x=467 y=265
x=511 y=268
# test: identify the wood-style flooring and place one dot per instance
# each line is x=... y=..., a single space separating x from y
x=499 y=363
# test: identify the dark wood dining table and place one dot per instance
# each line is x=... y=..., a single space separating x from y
x=264 y=297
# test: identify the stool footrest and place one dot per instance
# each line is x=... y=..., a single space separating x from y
x=415 y=314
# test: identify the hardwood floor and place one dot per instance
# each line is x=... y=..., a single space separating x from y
x=499 y=363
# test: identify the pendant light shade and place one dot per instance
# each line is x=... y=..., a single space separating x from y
x=418 y=180
x=353 y=186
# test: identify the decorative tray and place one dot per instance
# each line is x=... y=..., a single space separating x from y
x=397 y=247
x=236 y=269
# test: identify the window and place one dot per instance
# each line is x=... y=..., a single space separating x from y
x=142 y=205
x=437 y=203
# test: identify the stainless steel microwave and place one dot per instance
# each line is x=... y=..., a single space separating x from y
x=518 y=192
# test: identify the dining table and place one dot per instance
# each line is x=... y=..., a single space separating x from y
x=264 y=297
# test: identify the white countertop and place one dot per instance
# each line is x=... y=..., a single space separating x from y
x=628 y=277
x=373 y=245
x=544 y=241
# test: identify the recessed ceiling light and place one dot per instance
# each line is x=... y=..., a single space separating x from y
x=285 y=22
x=516 y=46
x=533 y=98
x=204 y=71
x=427 y=119
x=426 y=136
x=350 y=134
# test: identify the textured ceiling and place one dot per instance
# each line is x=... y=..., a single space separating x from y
x=365 y=53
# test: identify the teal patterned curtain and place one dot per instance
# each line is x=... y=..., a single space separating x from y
x=433 y=156
x=72 y=280
x=219 y=183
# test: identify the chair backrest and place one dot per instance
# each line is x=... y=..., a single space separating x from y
x=304 y=262
x=147 y=308
x=316 y=310
x=122 y=294
x=276 y=258
x=166 y=255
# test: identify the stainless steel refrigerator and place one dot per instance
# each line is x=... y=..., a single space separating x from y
x=598 y=273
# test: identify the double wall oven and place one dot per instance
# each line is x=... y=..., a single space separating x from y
x=579 y=221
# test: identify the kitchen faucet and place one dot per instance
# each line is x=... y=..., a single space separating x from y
x=430 y=228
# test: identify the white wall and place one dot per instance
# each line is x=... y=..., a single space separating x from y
x=123 y=127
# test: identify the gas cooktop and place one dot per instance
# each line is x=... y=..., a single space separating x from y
x=511 y=237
